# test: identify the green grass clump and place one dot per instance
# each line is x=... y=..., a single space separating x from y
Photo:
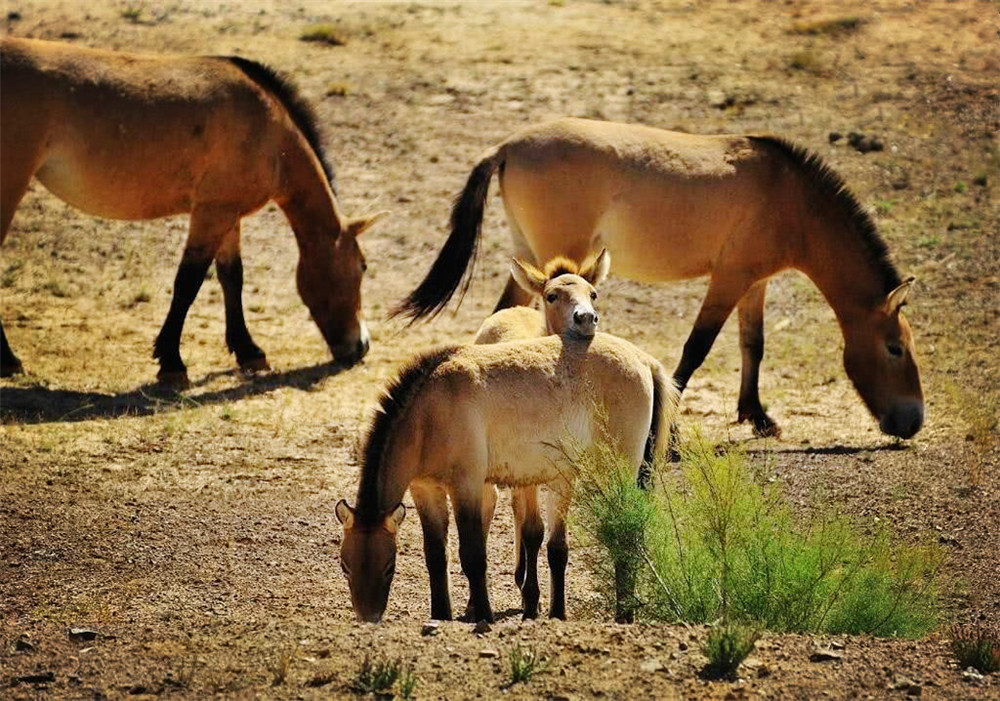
x=726 y=647
x=379 y=675
x=324 y=34
x=977 y=646
x=524 y=663
x=712 y=543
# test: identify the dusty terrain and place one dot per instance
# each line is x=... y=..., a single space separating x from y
x=195 y=533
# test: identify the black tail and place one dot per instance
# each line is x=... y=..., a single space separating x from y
x=452 y=269
x=664 y=390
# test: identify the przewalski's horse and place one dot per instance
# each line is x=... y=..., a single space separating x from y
x=568 y=292
x=459 y=418
x=671 y=206
x=128 y=136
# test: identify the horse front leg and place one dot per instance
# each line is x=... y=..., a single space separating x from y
x=529 y=531
x=724 y=291
x=472 y=552
x=751 y=313
x=9 y=364
x=208 y=227
x=229 y=265
x=489 y=509
x=557 y=506
x=432 y=506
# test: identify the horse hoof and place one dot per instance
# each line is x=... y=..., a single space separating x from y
x=768 y=430
x=255 y=365
x=11 y=370
x=175 y=380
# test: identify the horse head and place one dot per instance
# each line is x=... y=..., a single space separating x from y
x=368 y=558
x=328 y=278
x=568 y=292
x=880 y=359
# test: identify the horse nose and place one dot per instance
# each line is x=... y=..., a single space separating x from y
x=903 y=420
x=351 y=353
x=585 y=319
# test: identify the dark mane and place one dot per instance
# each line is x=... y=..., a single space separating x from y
x=302 y=113
x=560 y=265
x=832 y=184
x=397 y=398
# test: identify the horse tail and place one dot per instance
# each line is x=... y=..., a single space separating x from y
x=455 y=262
x=665 y=399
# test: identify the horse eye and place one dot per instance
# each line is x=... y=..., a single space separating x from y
x=551 y=297
x=364 y=267
x=895 y=349
x=593 y=296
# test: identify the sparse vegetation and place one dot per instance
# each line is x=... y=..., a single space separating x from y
x=834 y=26
x=281 y=666
x=977 y=646
x=133 y=13
x=339 y=89
x=718 y=544
x=377 y=675
x=324 y=34
x=524 y=664
x=806 y=60
x=726 y=647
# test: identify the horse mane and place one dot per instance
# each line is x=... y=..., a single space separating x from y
x=302 y=113
x=398 y=396
x=561 y=265
x=832 y=184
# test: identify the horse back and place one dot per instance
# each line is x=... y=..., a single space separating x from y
x=665 y=204
x=135 y=136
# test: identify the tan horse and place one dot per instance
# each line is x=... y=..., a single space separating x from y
x=129 y=136
x=460 y=418
x=670 y=206
x=567 y=291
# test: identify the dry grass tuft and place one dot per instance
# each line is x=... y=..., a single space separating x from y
x=324 y=34
x=835 y=26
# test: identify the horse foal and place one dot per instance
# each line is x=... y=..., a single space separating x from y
x=459 y=418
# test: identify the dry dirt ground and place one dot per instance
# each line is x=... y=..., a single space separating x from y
x=195 y=533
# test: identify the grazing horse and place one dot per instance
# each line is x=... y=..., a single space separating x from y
x=671 y=206
x=130 y=136
x=459 y=418
x=568 y=292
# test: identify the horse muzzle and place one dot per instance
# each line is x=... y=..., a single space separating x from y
x=903 y=420
x=585 y=323
x=352 y=351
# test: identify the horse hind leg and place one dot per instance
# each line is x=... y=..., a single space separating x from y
x=513 y=294
x=208 y=227
x=749 y=408
x=529 y=531
x=489 y=509
x=229 y=265
x=557 y=507
x=472 y=552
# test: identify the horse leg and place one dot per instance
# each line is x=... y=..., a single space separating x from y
x=229 y=265
x=557 y=549
x=208 y=227
x=489 y=509
x=529 y=532
x=17 y=172
x=751 y=311
x=472 y=553
x=432 y=506
x=724 y=291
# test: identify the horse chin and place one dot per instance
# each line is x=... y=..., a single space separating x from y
x=585 y=334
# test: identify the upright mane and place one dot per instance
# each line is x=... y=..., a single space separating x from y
x=832 y=184
x=394 y=402
x=561 y=265
x=302 y=113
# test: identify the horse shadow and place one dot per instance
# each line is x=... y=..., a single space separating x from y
x=40 y=405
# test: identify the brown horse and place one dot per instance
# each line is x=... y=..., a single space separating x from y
x=129 y=136
x=567 y=291
x=670 y=206
x=460 y=418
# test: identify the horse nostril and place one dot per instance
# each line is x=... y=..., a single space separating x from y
x=577 y=317
x=596 y=318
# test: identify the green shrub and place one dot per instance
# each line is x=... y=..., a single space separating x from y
x=376 y=676
x=711 y=543
x=524 y=663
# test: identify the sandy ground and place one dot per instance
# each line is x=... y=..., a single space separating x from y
x=195 y=533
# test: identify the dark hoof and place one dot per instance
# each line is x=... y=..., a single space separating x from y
x=254 y=366
x=11 y=370
x=767 y=430
x=175 y=380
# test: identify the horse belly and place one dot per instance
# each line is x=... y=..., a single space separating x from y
x=531 y=451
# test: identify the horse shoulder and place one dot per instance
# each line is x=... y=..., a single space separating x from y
x=511 y=324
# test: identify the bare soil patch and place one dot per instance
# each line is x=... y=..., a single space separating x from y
x=195 y=534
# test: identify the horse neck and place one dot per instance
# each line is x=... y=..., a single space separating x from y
x=385 y=480
x=834 y=257
x=305 y=195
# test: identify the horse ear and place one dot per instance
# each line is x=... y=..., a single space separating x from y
x=528 y=276
x=596 y=271
x=345 y=514
x=897 y=298
x=359 y=225
x=395 y=518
